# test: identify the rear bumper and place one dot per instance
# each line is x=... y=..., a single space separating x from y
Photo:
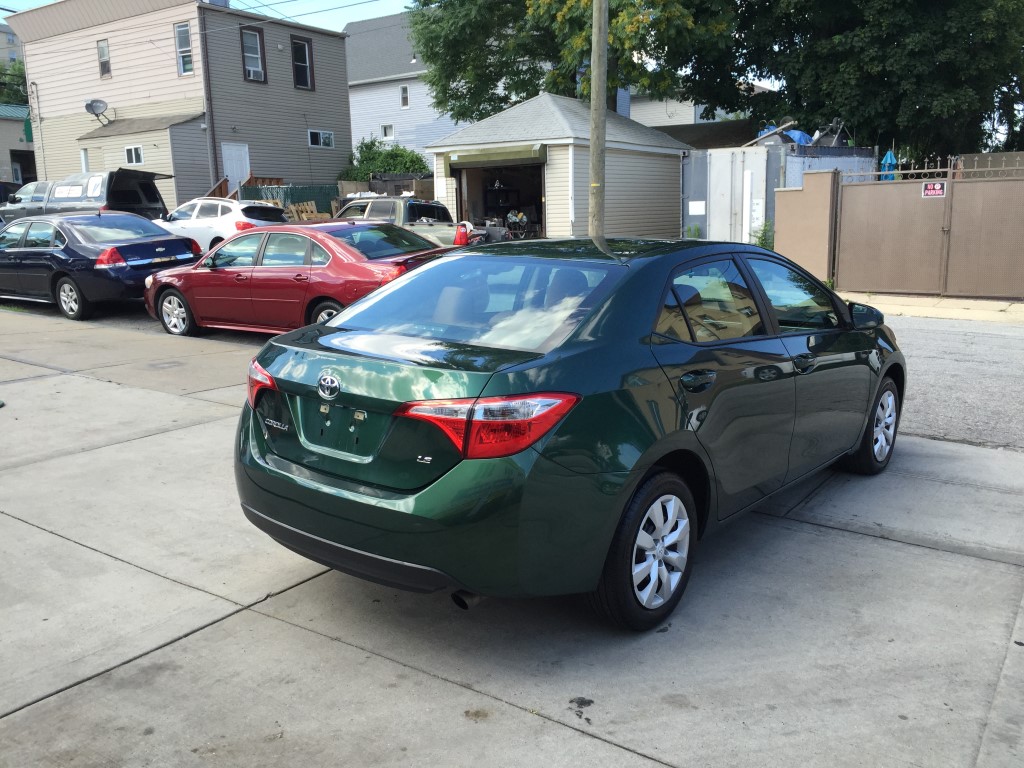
x=382 y=570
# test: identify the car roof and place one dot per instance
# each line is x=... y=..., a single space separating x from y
x=622 y=250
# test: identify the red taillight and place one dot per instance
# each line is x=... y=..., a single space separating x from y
x=104 y=207
x=241 y=226
x=491 y=427
x=394 y=271
x=110 y=258
x=461 y=235
x=259 y=379
x=196 y=248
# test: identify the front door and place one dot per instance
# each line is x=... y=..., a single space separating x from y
x=236 y=163
x=832 y=363
x=280 y=281
x=733 y=380
x=222 y=291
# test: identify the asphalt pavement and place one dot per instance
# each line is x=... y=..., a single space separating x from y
x=143 y=622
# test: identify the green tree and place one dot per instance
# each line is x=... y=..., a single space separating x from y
x=924 y=74
x=13 y=89
x=483 y=56
x=373 y=155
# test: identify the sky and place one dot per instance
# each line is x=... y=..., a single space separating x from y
x=329 y=14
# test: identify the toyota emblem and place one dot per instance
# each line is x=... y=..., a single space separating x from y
x=329 y=387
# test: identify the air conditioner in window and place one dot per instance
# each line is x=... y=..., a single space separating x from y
x=253 y=74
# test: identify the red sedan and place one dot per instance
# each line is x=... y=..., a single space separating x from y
x=282 y=277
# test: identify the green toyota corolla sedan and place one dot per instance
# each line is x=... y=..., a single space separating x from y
x=555 y=417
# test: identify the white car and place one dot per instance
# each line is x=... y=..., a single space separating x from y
x=208 y=220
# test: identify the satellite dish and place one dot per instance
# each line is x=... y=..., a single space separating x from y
x=96 y=107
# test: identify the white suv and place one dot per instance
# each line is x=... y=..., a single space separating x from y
x=208 y=220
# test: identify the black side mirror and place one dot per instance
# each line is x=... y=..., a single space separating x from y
x=864 y=317
x=12 y=198
x=209 y=262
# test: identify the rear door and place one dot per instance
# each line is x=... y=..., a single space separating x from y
x=732 y=378
x=280 y=281
x=832 y=363
x=207 y=223
x=222 y=292
x=36 y=257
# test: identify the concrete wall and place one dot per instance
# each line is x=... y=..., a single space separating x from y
x=273 y=117
x=803 y=222
x=377 y=104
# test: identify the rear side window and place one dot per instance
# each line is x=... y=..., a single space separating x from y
x=67 y=192
x=39 y=235
x=716 y=303
x=524 y=304
x=381 y=209
x=208 y=211
x=266 y=213
x=285 y=250
x=42 y=187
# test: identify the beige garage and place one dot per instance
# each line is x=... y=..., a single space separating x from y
x=534 y=158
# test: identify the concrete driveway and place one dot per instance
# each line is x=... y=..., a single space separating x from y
x=143 y=622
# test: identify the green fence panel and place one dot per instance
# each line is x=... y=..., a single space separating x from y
x=321 y=194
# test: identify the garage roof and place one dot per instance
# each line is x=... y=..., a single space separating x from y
x=127 y=125
x=550 y=118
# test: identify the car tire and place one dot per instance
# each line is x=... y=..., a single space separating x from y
x=175 y=314
x=658 y=532
x=70 y=300
x=324 y=311
x=876 y=445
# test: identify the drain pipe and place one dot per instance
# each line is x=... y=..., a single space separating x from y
x=465 y=600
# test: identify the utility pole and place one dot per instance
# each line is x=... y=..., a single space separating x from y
x=598 y=114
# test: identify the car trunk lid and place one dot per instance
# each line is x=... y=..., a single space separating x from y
x=337 y=393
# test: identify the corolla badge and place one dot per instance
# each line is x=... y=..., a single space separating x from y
x=329 y=387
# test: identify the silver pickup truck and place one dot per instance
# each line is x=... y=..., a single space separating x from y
x=427 y=218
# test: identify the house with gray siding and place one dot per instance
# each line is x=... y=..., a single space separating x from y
x=196 y=90
x=388 y=97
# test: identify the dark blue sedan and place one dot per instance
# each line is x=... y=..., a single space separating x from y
x=77 y=260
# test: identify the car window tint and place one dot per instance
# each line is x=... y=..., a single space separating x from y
x=26 y=192
x=184 y=212
x=429 y=211
x=798 y=302
x=238 y=253
x=59 y=240
x=381 y=241
x=268 y=213
x=525 y=304
x=12 y=235
x=381 y=209
x=717 y=302
x=320 y=255
x=39 y=194
x=224 y=210
x=39 y=235
x=671 y=322
x=208 y=211
x=356 y=211
x=150 y=192
x=285 y=250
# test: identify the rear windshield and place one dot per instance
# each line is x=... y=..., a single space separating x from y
x=418 y=211
x=264 y=213
x=381 y=241
x=511 y=303
x=112 y=228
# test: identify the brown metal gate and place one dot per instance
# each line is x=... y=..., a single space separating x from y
x=953 y=232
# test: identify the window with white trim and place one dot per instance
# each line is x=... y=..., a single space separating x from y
x=404 y=91
x=133 y=155
x=103 y=55
x=302 y=63
x=387 y=132
x=183 y=47
x=324 y=139
x=254 y=60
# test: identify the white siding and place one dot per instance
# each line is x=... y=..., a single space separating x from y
x=273 y=118
x=377 y=104
x=190 y=161
x=581 y=191
x=556 y=193
x=108 y=153
x=444 y=186
x=649 y=112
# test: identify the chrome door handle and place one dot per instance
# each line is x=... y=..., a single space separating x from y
x=804 y=363
x=301 y=278
x=697 y=381
x=241 y=278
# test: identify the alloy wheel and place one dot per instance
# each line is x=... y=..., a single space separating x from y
x=885 y=426
x=174 y=315
x=324 y=315
x=660 y=551
x=68 y=297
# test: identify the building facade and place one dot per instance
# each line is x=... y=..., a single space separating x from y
x=196 y=90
